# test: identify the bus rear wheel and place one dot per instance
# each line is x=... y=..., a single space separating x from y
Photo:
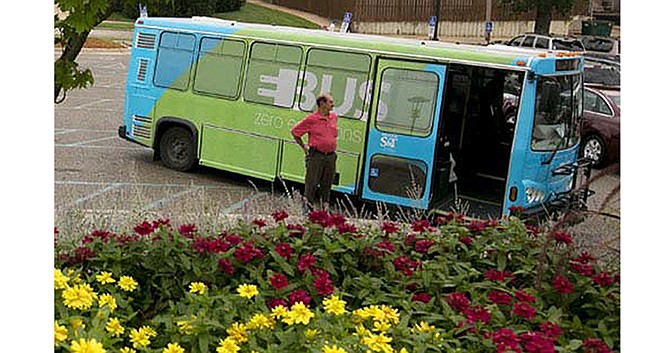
x=177 y=150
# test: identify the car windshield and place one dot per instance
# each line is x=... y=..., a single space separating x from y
x=604 y=45
x=616 y=99
x=567 y=44
x=558 y=111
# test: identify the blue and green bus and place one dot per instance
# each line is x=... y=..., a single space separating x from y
x=423 y=124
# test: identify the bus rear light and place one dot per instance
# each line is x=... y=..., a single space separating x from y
x=520 y=63
x=512 y=193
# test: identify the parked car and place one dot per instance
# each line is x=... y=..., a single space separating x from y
x=539 y=41
x=602 y=72
x=601 y=125
x=602 y=47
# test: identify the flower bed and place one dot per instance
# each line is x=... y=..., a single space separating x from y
x=327 y=285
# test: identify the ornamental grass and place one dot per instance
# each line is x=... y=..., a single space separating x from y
x=329 y=284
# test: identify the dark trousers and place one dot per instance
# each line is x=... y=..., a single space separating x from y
x=319 y=175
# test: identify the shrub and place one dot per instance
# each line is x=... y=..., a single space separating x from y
x=475 y=286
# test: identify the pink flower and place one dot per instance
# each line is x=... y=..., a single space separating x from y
x=497 y=276
x=562 y=285
x=537 y=343
x=322 y=283
x=524 y=310
x=299 y=295
x=562 y=238
x=500 y=297
x=386 y=245
x=187 y=230
x=346 y=228
x=477 y=313
x=458 y=301
x=259 y=222
x=284 y=250
x=279 y=215
x=305 y=262
x=603 y=279
x=278 y=281
x=524 y=297
x=550 y=329
x=389 y=227
x=421 y=297
x=424 y=245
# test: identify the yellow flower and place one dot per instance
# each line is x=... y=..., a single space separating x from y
x=238 y=333
x=247 y=291
x=139 y=338
x=127 y=350
x=403 y=350
x=279 y=312
x=86 y=346
x=334 y=305
x=127 y=283
x=197 y=287
x=173 y=348
x=310 y=334
x=105 y=278
x=362 y=332
x=60 y=280
x=185 y=326
x=381 y=326
x=390 y=314
x=333 y=349
x=227 y=346
x=60 y=333
x=261 y=321
x=147 y=330
x=76 y=323
x=378 y=343
x=299 y=314
x=114 y=327
x=79 y=297
x=109 y=300
x=423 y=327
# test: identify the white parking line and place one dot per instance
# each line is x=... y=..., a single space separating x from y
x=92 y=103
x=89 y=141
x=100 y=183
x=105 y=147
x=83 y=199
x=64 y=131
x=241 y=204
x=168 y=199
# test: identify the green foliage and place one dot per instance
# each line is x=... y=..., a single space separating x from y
x=469 y=281
x=177 y=8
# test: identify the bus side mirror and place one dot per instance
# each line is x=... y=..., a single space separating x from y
x=531 y=77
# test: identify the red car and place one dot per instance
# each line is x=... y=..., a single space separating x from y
x=601 y=125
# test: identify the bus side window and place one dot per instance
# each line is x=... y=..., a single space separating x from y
x=219 y=67
x=272 y=74
x=342 y=74
x=174 y=59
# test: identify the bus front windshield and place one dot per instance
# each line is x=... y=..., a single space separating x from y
x=558 y=111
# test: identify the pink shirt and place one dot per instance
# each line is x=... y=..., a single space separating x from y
x=321 y=131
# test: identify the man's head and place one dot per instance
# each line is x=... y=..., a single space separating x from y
x=324 y=100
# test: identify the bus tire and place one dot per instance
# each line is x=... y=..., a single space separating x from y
x=594 y=148
x=177 y=150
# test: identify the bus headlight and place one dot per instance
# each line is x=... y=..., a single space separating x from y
x=534 y=195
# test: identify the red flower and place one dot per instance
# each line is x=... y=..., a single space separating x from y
x=562 y=285
x=83 y=253
x=582 y=268
x=278 y=281
x=284 y=250
x=226 y=266
x=336 y=219
x=537 y=343
x=550 y=329
x=411 y=287
x=299 y=295
x=533 y=231
x=524 y=310
x=458 y=301
x=259 y=222
x=321 y=217
x=389 y=227
x=410 y=239
x=594 y=345
x=465 y=240
x=477 y=313
x=524 y=297
x=420 y=225
x=247 y=253
x=421 y=297
x=232 y=239
x=279 y=215
x=405 y=265
x=424 y=245
x=386 y=245
x=584 y=258
x=187 y=230
x=516 y=210
x=322 y=283
x=500 y=297
x=477 y=226
x=497 y=276
x=346 y=228
x=451 y=217
x=100 y=234
x=603 y=279
x=506 y=339
x=295 y=230
x=562 y=238
x=161 y=222
x=144 y=228
x=305 y=262
x=274 y=302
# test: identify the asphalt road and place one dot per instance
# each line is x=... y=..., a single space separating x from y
x=105 y=182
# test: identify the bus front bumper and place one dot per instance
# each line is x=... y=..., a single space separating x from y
x=122 y=134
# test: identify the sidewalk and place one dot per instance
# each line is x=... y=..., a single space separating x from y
x=321 y=21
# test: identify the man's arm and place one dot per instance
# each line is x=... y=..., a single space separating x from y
x=298 y=130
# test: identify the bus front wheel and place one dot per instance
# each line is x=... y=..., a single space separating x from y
x=177 y=150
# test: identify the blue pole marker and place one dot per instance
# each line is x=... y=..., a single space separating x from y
x=432 y=22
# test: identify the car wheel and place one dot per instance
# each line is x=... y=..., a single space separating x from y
x=177 y=150
x=594 y=149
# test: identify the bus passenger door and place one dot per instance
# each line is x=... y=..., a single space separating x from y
x=402 y=132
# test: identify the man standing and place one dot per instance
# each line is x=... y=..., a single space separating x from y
x=320 y=157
